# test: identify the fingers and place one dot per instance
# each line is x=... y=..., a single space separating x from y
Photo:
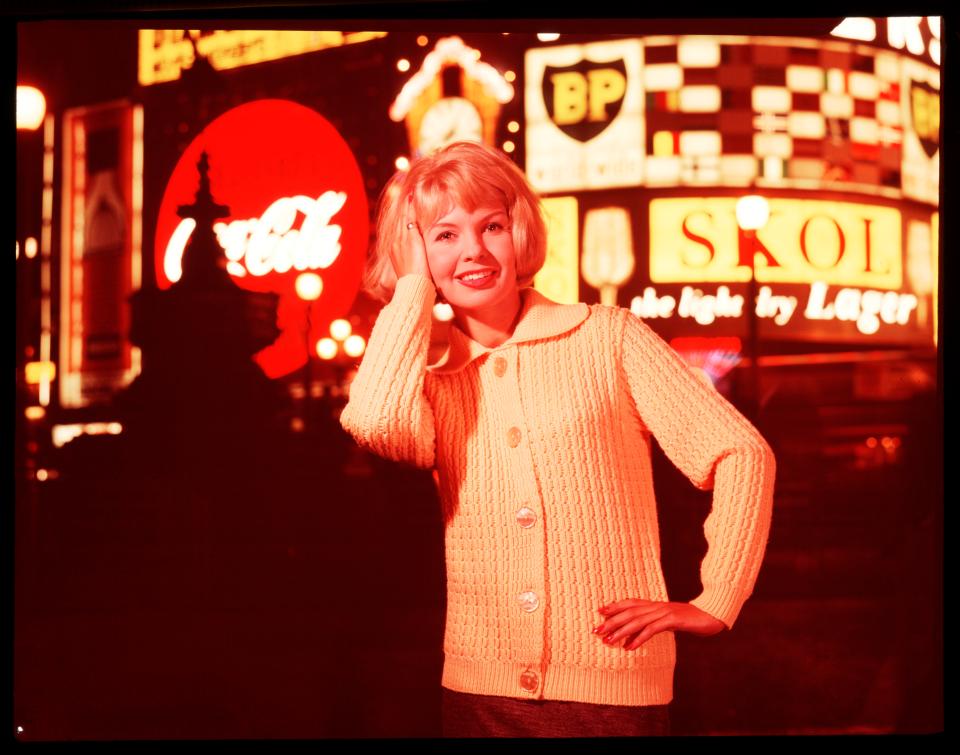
x=632 y=622
x=660 y=625
x=616 y=620
x=611 y=608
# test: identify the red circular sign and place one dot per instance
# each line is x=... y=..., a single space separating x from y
x=297 y=206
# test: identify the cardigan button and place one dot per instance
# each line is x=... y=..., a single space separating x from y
x=499 y=366
x=526 y=518
x=513 y=437
x=529 y=601
x=529 y=680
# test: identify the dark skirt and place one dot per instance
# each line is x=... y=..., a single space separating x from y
x=466 y=715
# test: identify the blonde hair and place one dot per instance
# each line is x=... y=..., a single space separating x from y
x=465 y=174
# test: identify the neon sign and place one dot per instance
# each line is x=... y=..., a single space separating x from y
x=164 y=53
x=851 y=244
x=270 y=243
x=297 y=202
x=919 y=35
x=866 y=309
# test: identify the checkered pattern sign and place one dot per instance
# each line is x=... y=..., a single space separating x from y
x=804 y=115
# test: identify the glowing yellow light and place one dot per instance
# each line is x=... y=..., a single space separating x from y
x=326 y=348
x=863 y=29
x=510 y=76
x=18 y=250
x=662 y=143
x=403 y=65
x=30 y=248
x=41 y=474
x=422 y=40
x=309 y=286
x=402 y=163
x=165 y=52
x=548 y=37
x=114 y=428
x=35 y=412
x=296 y=424
x=699 y=143
x=509 y=146
x=443 y=312
x=559 y=278
x=31 y=108
x=340 y=329
x=35 y=372
x=753 y=212
x=513 y=127
x=354 y=346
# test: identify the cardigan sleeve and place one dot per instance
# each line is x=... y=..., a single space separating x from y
x=388 y=411
x=717 y=448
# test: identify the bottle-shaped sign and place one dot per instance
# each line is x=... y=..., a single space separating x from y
x=607 y=262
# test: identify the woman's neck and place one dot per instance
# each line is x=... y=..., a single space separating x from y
x=493 y=326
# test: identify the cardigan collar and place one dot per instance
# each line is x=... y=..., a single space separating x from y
x=539 y=318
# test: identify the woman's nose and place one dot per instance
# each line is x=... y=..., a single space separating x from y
x=475 y=247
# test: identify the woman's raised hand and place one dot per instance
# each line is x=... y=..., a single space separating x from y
x=633 y=622
x=411 y=255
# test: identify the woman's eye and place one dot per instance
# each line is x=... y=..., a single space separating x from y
x=494 y=227
x=444 y=236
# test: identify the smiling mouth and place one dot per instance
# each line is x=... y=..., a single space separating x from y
x=476 y=277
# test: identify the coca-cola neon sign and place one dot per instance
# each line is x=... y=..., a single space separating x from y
x=297 y=204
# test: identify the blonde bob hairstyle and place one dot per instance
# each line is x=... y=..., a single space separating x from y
x=464 y=174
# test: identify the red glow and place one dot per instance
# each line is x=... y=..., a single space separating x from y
x=260 y=152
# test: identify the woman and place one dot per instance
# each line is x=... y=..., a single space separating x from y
x=538 y=420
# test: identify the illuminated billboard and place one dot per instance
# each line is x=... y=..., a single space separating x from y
x=297 y=205
x=733 y=111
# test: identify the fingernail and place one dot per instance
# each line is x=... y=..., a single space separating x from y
x=608 y=639
x=598 y=630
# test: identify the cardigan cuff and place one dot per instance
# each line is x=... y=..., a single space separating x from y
x=722 y=602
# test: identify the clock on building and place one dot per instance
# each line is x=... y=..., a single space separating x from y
x=449 y=119
x=453 y=97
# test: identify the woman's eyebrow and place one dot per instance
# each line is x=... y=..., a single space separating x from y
x=484 y=219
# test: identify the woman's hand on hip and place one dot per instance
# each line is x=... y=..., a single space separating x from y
x=411 y=254
x=635 y=621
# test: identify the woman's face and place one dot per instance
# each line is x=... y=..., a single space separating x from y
x=472 y=259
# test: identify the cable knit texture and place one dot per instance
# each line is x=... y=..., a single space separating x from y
x=542 y=448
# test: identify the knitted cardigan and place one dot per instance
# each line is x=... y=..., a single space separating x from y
x=542 y=452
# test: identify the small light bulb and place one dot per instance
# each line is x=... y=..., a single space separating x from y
x=403 y=65
x=402 y=163
x=509 y=146
x=548 y=37
x=309 y=286
x=752 y=212
x=326 y=348
x=510 y=76
x=340 y=329
x=354 y=346
x=513 y=127
x=422 y=40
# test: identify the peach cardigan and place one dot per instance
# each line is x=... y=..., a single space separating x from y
x=542 y=448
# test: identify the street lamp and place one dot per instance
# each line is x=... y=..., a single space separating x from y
x=309 y=286
x=753 y=212
x=31 y=108
x=341 y=347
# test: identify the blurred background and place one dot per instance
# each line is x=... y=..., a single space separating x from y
x=200 y=550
